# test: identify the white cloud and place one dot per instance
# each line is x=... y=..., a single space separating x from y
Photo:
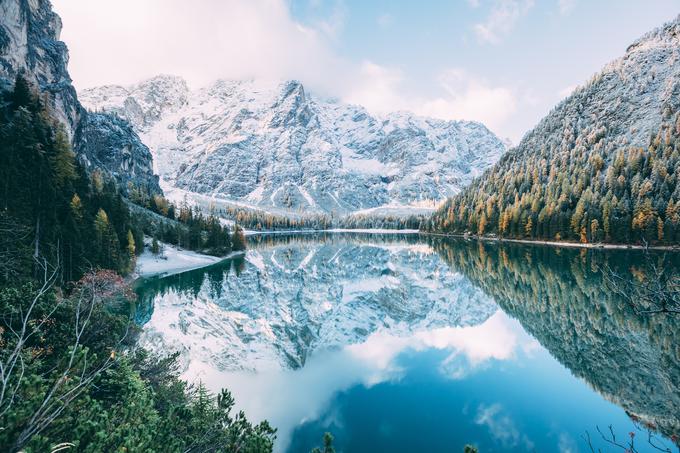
x=385 y=20
x=470 y=98
x=497 y=338
x=566 y=91
x=462 y=96
x=502 y=427
x=566 y=6
x=334 y=23
x=377 y=88
x=502 y=19
x=125 y=41
x=567 y=444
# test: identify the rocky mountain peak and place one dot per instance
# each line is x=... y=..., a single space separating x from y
x=274 y=145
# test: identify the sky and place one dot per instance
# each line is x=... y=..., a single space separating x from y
x=505 y=63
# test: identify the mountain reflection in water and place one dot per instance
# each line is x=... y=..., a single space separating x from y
x=408 y=343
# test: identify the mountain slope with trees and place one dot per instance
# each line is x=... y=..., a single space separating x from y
x=603 y=166
x=30 y=45
x=52 y=208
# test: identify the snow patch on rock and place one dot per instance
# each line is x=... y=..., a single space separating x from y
x=275 y=146
x=171 y=260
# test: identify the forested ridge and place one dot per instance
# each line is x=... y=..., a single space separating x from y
x=50 y=207
x=588 y=188
x=602 y=166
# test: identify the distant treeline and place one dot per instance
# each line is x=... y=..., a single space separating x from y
x=263 y=221
x=187 y=226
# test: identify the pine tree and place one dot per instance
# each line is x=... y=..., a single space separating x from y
x=107 y=242
x=63 y=160
x=131 y=249
x=24 y=95
x=76 y=206
x=238 y=239
x=155 y=247
x=529 y=227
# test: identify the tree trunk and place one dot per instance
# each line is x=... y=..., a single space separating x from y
x=36 y=252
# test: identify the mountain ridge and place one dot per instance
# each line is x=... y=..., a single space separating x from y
x=272 y=144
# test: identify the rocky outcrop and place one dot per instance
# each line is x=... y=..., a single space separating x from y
x=29 y=44
x=107 y=142
x=276 y=146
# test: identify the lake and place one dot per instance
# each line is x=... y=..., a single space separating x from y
x=406 y=343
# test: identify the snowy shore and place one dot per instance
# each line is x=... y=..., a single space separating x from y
x=173 y=260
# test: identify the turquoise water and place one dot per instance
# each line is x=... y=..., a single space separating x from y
x=407 y=344
x=526 y=403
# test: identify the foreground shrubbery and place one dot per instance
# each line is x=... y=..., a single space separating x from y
x=70 y=376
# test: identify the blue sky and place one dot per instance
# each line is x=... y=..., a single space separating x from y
x=538 y=50
x=503 y=62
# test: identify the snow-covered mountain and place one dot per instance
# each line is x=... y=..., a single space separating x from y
x=289 y=300
x=274 y=145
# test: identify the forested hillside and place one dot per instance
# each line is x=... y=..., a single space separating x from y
x=603 y=166
x=70 y=375
x=52 y=209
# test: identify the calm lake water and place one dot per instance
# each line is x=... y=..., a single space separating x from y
x=417 y=344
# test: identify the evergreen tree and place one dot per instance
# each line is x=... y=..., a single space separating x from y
x=131 y=250
x=238 y=239
x=155 y=247
x=107 y=242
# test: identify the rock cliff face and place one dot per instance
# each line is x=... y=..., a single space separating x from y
x=29 y=43
x=276 y=146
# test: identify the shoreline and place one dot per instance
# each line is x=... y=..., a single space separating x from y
x=588 y=245
x=565 y=244
x=178 y=261
x=182 y=260
x=334 y=230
